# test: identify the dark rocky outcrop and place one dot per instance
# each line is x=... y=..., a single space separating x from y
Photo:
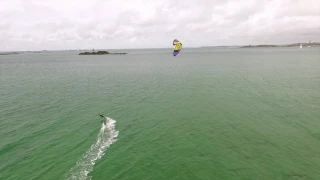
x=99 y=53
x=9 y=53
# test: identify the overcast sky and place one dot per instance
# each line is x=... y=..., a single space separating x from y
x=106 y=24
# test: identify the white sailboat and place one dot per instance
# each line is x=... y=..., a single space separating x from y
x=300 y=46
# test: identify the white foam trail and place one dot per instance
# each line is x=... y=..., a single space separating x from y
x=105 y=138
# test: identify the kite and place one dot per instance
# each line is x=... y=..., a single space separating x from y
x=178 y=47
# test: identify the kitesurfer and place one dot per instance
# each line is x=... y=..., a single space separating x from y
x=105 y=122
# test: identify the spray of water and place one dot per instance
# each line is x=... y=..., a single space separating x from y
x=105 y=138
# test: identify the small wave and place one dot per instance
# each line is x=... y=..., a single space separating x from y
x=105 y=138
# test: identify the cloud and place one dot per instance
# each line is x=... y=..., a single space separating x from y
x=72 y=24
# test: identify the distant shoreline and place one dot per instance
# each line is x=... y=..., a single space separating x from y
x=310 y=44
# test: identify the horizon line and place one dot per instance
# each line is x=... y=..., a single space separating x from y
x=203 y=46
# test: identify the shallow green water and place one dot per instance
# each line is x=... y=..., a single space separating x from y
x=205 y=114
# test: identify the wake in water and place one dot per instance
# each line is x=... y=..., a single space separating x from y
x=105 y=138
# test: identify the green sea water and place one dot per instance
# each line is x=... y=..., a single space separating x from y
x=209 y=113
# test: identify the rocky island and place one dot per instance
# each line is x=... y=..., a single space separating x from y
x=99 y=53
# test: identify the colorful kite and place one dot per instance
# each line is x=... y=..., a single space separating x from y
x=178 y=47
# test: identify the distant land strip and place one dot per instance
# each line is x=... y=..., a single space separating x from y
x=309 y=44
